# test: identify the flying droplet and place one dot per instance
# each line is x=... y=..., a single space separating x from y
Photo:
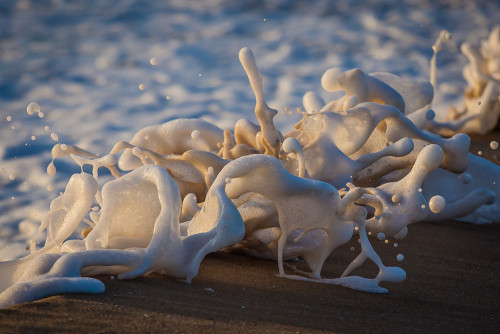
x=12 y=177
x=141 y=86
x=33 y=137
x=494 y=145
x=54 y=136
x=437 y=204
x=32 y=108
x=479 y=152
x=396 y=245
x=46 y=128
x=8 y=118
x=153 y=61
x=381 y=236
x=400 y=257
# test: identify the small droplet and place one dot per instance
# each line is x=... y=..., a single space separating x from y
x=8 y=118
x=395 y=198
x=33 y=137
x=32 y=108
x=195 y=134
x=479 y=152
x=142 y=86
x=168 y=97
x=50 y=188
x=400 y=257
x=423 y=206
x=41 y=114
x=153 y=61
x=12 y=177
x=200 y=75
x=396 y=245
x=465 y=178
x=437 y=204
x=265 y=20
x=419 y=190
x=380 y=236
x=46 y=128
x=386 y=241
x=54 y=136
x=494 y=145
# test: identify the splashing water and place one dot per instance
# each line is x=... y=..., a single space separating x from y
x=355 y=165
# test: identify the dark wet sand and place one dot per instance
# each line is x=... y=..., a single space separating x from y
x=452 y=286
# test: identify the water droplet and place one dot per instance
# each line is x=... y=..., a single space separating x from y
x=380 y=236
x=465 y=178
x=400 y=257
x=54 y=136
x=396 y=245
x=153 y=61
x=8 y=118
x=51 y=169
x=423 y=206
x=46 y=128
x=12 y=177
x=494 y=145
x=32 y=108
x=479 y=152
x=41 y=114
x=437 y=203
x=395 y=198
x=168 y=97
x=195 y=134
x=141 y=86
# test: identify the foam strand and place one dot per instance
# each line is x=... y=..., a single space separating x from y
x=270 y=136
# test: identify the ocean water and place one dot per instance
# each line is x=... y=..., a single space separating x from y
x=102 y=70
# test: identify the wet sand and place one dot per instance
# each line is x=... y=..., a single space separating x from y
x=452 y=286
